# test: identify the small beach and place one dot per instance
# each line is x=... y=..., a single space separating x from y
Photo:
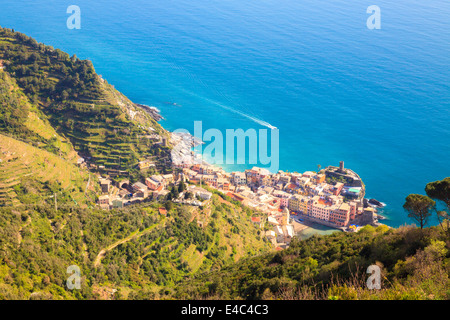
x=304 y=230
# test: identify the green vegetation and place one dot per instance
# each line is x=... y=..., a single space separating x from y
x=415 y=264
x=420 y=207
x=135 y=250
x=100 y=123
x=29 y=175
x=440 y=191
x=334 y=180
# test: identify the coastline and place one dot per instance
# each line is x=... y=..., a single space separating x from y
x=183 y=153
x=154 y=112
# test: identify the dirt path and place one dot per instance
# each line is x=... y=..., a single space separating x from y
x=136 y=234
x=87 y=185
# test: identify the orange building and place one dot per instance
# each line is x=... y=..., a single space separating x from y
x=319 y=178
x=341 y=216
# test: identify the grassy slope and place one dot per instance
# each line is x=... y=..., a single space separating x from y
x=29 y=174
x=135 y=250
x=414 y=264
x=54 y=127
x=181 y=253
x=36 y=128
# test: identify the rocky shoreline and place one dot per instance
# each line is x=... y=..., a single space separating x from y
x=182 y=152
x=152 y=111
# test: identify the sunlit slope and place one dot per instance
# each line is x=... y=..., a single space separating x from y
x=81 y=107
x=29 y=174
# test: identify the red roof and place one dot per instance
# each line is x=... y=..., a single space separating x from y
x=256 y=219
x=237 y=197
x=163 y=211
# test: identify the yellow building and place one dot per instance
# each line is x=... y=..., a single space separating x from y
x=303 y=205
x=298 y=203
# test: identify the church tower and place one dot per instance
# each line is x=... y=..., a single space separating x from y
x=341 y=166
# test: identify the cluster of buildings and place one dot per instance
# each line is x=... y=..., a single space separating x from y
x=154 y=187
x=333 y=197
x=121 y=194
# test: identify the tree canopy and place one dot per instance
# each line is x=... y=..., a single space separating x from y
x=419 y=208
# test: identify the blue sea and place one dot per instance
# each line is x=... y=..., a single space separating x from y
x=377 y=99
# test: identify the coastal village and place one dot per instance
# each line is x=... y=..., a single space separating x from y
x=287 y=201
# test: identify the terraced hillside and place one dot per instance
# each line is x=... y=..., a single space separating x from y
x=187 y=241
x=24 y=121
x=81 y=107
x=29 y=175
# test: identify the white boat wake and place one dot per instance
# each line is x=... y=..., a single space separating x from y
x=259 y=121
x=254 y=119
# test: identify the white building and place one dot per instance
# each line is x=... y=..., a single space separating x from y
x=238 y=178
x=197 y=191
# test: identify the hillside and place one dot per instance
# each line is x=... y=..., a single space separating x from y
x=24 y=121
x=54 y=110
x=29 y=175
x=45 y=91
x=35 y=161
x=136 y=251
x=415 y=264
